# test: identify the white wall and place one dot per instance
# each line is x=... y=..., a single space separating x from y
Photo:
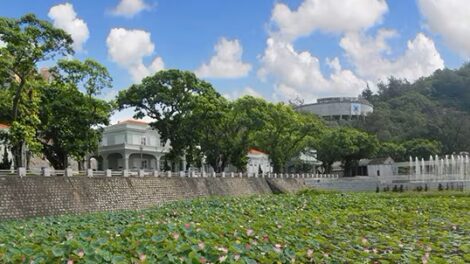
x=2 y=149
x=384 y=170
x=257 y=161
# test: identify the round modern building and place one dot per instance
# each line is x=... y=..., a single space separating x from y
x=338 y=108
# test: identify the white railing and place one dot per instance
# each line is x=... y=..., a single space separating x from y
x=47 y=172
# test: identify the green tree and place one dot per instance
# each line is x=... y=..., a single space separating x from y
x=422 y=148
x=347 y=145
x=435 y=108
x=391 y=149
x=89 y=76
x=72 y=133
x=228 y=130
x=28 y=41
x=171 y=97
x=285 y=133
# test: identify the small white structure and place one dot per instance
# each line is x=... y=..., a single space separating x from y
x=381 y=167
x=258 y=162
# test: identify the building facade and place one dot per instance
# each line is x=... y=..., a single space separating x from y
x=131 y=144
x=258 y=162
x=338 y=108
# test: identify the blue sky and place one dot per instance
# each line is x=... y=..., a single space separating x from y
x=276 y=49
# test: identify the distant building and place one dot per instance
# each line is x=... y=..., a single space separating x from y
x=132 y=144
x=338 y=108
x=258 y=162
x=381 y=167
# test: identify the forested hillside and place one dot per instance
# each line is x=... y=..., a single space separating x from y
x=433 y=110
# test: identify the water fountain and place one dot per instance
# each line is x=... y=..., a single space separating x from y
x=418 y=169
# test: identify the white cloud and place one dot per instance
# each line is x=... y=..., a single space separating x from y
x=298 y=74
x=328 y=16
x=64 y=17
x=245 y=91
x=367 y=55
x=226 y=63
x=450 y=19
x=128 y=49
x=129 y=8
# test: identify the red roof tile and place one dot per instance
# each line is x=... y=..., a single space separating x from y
x=256 y=151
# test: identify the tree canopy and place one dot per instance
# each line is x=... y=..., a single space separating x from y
x=435 y=108
x=72 y=133
x=347 y=145
x=28 y=41
x=52 y=111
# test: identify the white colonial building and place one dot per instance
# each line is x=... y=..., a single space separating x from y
x=131 y=144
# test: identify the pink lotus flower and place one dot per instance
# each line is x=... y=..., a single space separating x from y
x=201 y=245
x=223 y=249
x=176 y=236
x=142 y=257
x=249 y=232
x=309 y=253
x=81 y=253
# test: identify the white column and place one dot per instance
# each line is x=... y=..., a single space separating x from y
x=157 y=166
x=46 y=172
x=68 y=172
x=22 y=171
x=126 y=161
x=105 y=162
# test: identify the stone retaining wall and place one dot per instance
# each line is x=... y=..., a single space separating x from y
x=42 y=196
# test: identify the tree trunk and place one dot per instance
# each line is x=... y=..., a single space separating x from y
x=16 y=152
x=17 y=149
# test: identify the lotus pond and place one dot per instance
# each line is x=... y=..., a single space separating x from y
x=302 y=228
